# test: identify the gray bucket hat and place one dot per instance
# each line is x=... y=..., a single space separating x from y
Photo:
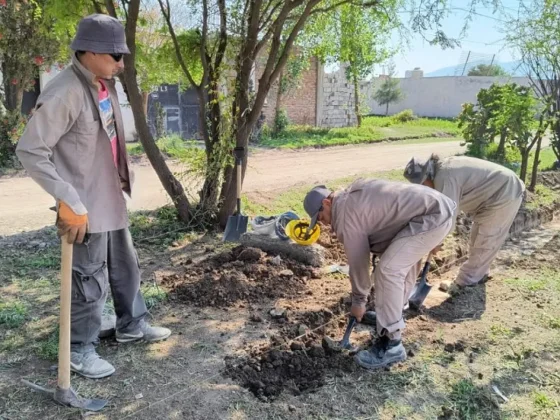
x=100 y=34
x=418 y=170
x=313 y=202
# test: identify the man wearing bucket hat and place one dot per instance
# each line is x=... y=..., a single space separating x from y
x=489 y=192
x=392 y=219
x=74 y=148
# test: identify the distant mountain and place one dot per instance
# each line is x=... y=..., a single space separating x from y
x=512 y=67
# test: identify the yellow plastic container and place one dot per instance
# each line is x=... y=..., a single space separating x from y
x=297 y=231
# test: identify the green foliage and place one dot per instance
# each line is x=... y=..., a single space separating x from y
x=373 y=129
x=404 y=116
x=281 y=121
x=534 y=34
x=506 y=111
x=470 y=402
x=12 y=124
x=48 y=347
x=493 y=70
x=389 y=92
x=12 y=314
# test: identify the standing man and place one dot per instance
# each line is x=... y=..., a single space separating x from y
x=397 y=221
x=74 y=148
x=489 y=192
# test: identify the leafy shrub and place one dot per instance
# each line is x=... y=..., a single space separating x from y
x=404 y=116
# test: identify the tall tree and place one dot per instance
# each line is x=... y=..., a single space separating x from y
x=535 y=34
x=389 y=91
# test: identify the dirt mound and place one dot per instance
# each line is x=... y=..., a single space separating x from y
x=243 y=274
x=334 y=250
x=269 y=373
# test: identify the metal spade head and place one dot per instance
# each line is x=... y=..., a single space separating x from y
x=69 y=398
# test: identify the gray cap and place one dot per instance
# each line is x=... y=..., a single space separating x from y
x=417 y=170
x=313 y=202
x=100 y=34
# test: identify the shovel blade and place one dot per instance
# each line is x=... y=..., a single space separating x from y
x=419 y=295
x=69 y=398
x=235 y=227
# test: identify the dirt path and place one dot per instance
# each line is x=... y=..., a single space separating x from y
x=24 y=206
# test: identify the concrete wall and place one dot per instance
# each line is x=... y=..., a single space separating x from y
x=436 y=96
x=336 y=100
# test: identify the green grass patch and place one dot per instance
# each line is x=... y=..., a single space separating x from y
x=547 y=159
x=373 y=129
x=293 y=198
x=543 y=196
x=543 y=401
x=173 y=146
x=545 y=279
x=13 y=314
x=153 y=295
x=48 y=348
x=470 y=402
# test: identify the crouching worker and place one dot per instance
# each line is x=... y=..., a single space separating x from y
x=401 y=223
x=490 y=193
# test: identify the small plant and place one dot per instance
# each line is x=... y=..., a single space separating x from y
x=12 y=314
x=543 y=401
x=470 y=402
x=405 y=116
x=281 y=121
x=154 y=295
x=48 y=348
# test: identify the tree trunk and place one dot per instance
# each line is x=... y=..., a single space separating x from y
x=278 y=105
x=536 y=163
x=145 y=97
x=13 y=96
x=387 y=109
x=357 y=101
x=172 y=186
x=524 y=163
x=502 y=146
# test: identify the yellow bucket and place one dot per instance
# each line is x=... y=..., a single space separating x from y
x=297 y=231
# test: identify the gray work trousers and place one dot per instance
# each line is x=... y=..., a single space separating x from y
x=104 y=259
x=489 y=231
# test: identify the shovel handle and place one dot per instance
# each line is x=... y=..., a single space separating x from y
x=426 y=267
x=349 y=328
x=239 y=153
x=65 y=303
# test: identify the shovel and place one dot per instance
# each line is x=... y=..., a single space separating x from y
x=345 y=342
x=421 y=290
x=237 y=224
x=64 y=394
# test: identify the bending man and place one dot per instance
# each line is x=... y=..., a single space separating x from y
x=490 y=193
x=397 y=221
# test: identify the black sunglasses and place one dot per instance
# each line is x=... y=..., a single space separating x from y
x=117 y=57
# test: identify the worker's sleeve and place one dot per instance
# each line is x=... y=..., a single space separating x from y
x=51 y=120
x=357 y=252
x=451 y=190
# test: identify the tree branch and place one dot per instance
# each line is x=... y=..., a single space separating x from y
x=166 y=12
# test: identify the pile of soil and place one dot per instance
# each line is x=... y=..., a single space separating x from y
x=334 y=250
x=243 y=274
x=267 y=373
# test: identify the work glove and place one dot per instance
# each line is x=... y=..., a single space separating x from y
x=358 y=311
x=73 y=226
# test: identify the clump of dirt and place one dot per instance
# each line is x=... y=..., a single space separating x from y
x=267 y=373
x=334 y=250
x=242 y=274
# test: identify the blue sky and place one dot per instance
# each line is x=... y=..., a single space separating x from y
x=484 y=36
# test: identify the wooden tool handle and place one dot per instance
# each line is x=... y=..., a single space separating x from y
x=65 y=303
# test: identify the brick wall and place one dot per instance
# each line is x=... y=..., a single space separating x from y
x=300 y=102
